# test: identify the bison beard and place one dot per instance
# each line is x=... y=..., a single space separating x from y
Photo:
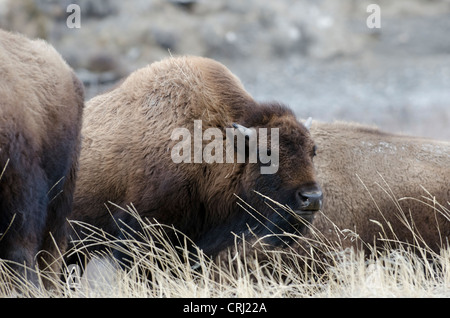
x=126 y=158
x=272 y=229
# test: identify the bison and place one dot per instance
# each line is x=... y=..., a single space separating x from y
x=41 y=105
x=382 y=186
x=132 y=152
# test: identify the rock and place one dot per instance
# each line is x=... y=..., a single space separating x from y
x=102 y=62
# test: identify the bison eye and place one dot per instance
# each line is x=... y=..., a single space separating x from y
x=314 y=151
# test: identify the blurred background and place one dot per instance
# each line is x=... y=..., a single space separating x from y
x=318 y=56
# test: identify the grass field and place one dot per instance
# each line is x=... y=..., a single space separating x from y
x=250 y=270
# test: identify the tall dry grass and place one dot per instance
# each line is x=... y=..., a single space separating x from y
x=161 y=269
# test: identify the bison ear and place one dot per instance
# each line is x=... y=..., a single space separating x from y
x=308 y=123
x=244 y=130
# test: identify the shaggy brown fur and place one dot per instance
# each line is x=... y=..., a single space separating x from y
x=41 y=103
x=364 y=172
x=126 y=155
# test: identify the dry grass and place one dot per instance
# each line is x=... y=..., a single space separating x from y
x=249 y=270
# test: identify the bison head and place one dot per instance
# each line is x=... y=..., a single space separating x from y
x=269 y=187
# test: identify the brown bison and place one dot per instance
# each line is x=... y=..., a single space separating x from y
x=41 y=104
x=138 y=149
x=382 y=186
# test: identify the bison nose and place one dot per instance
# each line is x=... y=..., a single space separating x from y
x=310 y=200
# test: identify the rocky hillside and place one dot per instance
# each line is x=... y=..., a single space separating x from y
x=320 y=57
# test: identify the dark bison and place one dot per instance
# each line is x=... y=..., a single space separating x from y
x=41 y=104
x=158 y=141
x=382 y=186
